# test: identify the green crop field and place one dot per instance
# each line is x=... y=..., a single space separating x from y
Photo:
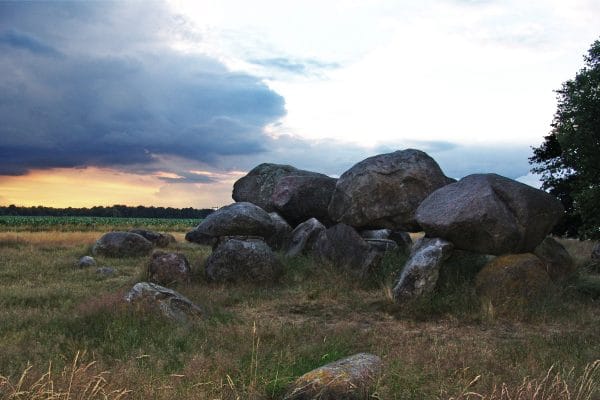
x=43 y=223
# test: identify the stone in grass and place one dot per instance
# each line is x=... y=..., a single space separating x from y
x=166 y=301
x=122 y=244
x=168 y=268
x=86 y=262
x=421 y=271
x=157 y=238
x=509 y=282
x=106 y=271
x=237 y=259
x=350 y=378
x=557 y=260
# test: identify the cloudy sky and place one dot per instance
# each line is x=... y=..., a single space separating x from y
x=168 y=103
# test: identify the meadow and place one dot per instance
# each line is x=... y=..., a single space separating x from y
x=65 y=332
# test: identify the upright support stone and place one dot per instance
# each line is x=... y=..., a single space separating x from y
x=421 y=271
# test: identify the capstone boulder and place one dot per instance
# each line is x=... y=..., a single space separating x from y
x=384 y=191
x=300 y=197
x=258 y=185
x=235 y=219
x=490 y=214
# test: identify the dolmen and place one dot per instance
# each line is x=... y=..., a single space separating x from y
x=353 y=221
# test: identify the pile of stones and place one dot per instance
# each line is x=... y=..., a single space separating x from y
x=351 y=222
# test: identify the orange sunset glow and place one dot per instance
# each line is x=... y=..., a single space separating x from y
x=87 y=187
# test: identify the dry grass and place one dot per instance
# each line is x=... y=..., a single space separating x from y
x=259 y=339
x=551 y=386
x=78 y=380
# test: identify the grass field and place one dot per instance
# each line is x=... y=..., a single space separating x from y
x=66 y=334
x=66 y=224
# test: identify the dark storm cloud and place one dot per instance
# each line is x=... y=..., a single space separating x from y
x=23 y=41
x=117 y=108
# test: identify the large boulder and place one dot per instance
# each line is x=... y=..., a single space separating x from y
x=232 y=220
x=300 y=197
x=490 y=214
x=168 y=268
x=385 y=190
x=122 y=244
x=237 y=259
x=258 y=185
x=350 y=378
x=342 y=246
x=303 y=237
x=157 y=238
x=558 y=262
x=510 y=282
x=421 y=271
x=168 y=302
x=283 y=232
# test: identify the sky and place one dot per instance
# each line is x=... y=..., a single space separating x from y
x=169 y=103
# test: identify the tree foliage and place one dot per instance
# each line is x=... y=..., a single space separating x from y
x=569 y=158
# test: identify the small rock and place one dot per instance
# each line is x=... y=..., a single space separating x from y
x=350 y=378
x=158 y=239
x=168 y=302
x=86 y=261
x=106 y=271
x=168 y=268
x=304 y=236
x=557 y=260
x=421 y=272
x=238 y=259
x=122 y=244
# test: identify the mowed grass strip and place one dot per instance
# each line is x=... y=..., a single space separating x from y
x=258 y=339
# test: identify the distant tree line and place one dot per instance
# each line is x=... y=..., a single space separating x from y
x=116 y=210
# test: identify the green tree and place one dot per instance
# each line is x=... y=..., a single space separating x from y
x=569 y=158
